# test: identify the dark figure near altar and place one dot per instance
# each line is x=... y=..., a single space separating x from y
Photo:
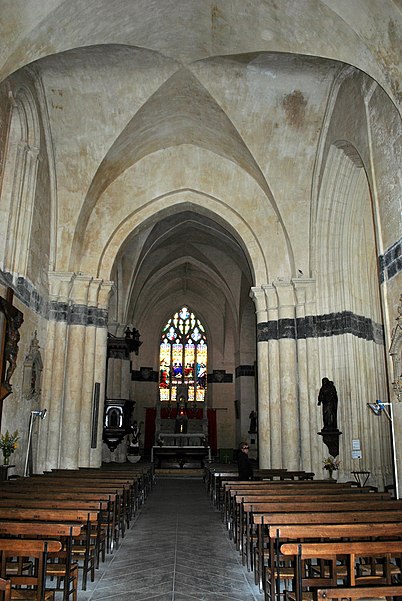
x=328 y=398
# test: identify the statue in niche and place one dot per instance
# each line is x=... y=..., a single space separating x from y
x=328 y=398
x=14 y=322
x=253 y=422
x=32 y=374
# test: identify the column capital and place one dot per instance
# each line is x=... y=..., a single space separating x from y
x=106 y=289
x=285 y=292
x=258 y=296
x=80 y=288
x=60 y=285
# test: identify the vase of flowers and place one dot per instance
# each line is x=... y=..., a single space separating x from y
x=331 y=464
x=8 y=444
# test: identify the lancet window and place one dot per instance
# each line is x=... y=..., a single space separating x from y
x=183 y=358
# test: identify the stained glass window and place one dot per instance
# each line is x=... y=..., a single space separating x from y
x=183 y=357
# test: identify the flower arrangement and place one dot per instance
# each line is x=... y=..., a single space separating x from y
x=331 y=463
x=8 y=444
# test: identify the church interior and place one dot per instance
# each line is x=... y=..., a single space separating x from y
x=200 y=220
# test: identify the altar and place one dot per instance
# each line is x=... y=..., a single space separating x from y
x=180 y=454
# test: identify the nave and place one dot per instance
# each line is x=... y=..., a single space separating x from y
x=177 y=549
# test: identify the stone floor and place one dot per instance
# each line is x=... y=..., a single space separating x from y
x=176 y=550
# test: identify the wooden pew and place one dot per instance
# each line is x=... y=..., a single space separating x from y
x=114 y=493
x=268 y=562
x=258 y=502
x=292 y=507
x=34 y=549
x=240 y=496
x=318 y=519
x=85 y=552
x=231 y=489
x=101 y=507
x=377 y=578
x=60 y=564
x=5 y=588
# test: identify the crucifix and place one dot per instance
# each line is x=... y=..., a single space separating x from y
x=10 y=321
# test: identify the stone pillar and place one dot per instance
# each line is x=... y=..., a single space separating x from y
x=78 y=315
x=264 y=427
x=275 y=408
x=87 y=393
x=99 y=373
x=27 y=208
x=54 y=368
x=288 y=375
x=304 y=289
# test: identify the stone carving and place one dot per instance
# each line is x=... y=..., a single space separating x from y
x=328 y=398
x=396 y=353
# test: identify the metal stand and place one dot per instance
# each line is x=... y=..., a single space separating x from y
x=33 y=416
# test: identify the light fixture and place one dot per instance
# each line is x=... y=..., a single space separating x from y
x=378 y=408
x=34 y=414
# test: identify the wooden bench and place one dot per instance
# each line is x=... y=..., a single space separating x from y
x=60 y=564
x=268 y=568
x=113 y=493
x=5 y=588
x=36 y=550
x=258 y=502
x=373 y=574
x=318 y=519
x=85 y=553
x=247 y=535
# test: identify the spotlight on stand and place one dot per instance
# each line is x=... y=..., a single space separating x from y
x=378 y=408
x=34 y=414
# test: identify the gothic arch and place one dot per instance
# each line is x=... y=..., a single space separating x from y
x=177 y=201
x=19 y=182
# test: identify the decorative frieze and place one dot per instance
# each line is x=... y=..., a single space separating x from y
x=390 y=262
x=317 y=326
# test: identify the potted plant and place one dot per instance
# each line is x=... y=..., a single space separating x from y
x=331 y=464
x=8 y=444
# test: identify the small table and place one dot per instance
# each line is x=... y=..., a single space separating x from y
x=4 y=472
x=361 y=477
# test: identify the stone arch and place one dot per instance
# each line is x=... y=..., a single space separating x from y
x=176 y=201
x=352 y=353
x=19 y=182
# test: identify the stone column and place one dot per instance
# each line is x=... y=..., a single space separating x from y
x=87 y=393
x=99 y=374
x=288 y=375
x=307 y=400
x=78 y=315
x=54 y=369
x=275 y=408
x=264 y=427
x=27 y=208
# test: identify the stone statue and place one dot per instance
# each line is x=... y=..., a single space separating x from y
x=14 y=322
x=328 y=398
x=253 y=422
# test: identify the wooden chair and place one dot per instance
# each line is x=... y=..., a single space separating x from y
x=34 y=583
x=5 y=589
x=381 y=557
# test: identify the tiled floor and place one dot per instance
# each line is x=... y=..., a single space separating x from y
x=176 y=550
